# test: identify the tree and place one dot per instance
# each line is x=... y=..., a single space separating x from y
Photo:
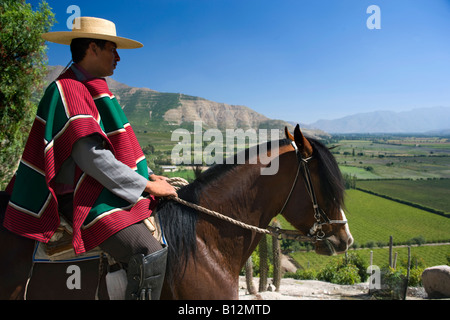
x=22 y=69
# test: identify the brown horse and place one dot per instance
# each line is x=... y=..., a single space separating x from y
x=206 y=254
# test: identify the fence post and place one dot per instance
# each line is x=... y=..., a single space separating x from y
x=276 y=251
x=371 y=270
x=249 y=276
x=390 y=251
x=407 y=272
x=263 y=264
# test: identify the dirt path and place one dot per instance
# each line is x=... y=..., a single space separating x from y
x=292 y=289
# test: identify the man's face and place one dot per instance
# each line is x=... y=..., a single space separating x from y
x=106 y=59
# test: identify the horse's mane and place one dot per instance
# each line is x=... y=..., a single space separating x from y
x=179 y=222
x=332 y=183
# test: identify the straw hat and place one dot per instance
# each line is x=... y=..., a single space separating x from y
x=93 y=28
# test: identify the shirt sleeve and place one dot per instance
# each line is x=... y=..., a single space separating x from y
x=90 y=155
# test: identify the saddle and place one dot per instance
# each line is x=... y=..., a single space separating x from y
x=60 y=249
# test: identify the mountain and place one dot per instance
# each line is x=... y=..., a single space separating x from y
x=415 y=121
x=150 y=110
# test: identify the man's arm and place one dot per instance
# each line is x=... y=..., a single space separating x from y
x=90 y=155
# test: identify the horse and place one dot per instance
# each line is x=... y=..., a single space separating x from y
x=206 y=253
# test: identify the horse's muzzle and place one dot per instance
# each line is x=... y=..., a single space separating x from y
x=335 y=244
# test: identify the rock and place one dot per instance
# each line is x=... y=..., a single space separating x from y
x=436 y=281
x=287 y=265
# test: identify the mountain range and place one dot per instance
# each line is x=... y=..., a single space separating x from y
x=424 y=120
x=147 y=108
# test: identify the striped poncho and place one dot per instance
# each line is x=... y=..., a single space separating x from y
x=71 y=110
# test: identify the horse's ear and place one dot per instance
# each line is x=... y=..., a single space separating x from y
x=288 y=134
x=302 y=143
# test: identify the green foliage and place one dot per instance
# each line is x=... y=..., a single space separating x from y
x=348 y=269
x=302 y=274
x=349 y=180
x=340 y=273
x=22 y=67
x=394 y=281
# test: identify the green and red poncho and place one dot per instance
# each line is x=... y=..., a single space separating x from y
x=71 y=110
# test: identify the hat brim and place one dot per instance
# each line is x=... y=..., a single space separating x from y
x=66 y=37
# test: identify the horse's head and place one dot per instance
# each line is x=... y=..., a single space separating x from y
x=315 y=204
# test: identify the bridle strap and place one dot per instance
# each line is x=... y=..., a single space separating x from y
x=316 y=231
x=292 y=190
x=318 y=212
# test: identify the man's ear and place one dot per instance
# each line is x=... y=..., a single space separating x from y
x=93 y=48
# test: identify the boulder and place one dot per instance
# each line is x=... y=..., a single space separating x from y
x=436 y=281
x=287 y=265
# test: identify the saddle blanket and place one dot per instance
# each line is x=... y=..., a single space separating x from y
x=59 y=249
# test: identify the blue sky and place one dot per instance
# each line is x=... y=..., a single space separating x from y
x=296 y=60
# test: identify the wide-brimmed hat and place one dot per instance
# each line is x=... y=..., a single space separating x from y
x=93 y=28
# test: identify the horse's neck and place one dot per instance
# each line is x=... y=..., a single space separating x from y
x=235 y=195
x=244 y=195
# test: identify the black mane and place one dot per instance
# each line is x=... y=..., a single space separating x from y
x=332 y=183
x=179 y=222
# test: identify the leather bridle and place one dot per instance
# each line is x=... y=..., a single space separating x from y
x=315 y=233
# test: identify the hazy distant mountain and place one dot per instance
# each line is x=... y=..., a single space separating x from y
x=148 y=109
x=415 y=121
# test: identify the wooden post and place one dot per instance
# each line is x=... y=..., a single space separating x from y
x=276 y=251
x=407 y=272
x=371 y=270
x=390 y=251
x=249 y=276
x=263 y=264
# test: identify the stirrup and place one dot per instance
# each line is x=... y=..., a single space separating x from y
x=146 y=275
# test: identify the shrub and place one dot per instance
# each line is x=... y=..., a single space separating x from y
x=393 y=283
x=348 y=274
x=347 y=270
x=356 y=260
x=305 y=274
x=419 y=240
x=415 y=277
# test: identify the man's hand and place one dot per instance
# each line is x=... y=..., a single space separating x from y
x=160 y=188
x=155 y=177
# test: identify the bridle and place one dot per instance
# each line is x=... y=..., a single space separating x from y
x=315 y=233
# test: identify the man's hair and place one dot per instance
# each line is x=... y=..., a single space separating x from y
x=79 y=46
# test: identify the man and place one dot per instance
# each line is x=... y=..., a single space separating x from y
x=82 y=159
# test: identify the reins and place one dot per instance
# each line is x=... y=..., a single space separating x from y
x=315 y=234
x=273 y=231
